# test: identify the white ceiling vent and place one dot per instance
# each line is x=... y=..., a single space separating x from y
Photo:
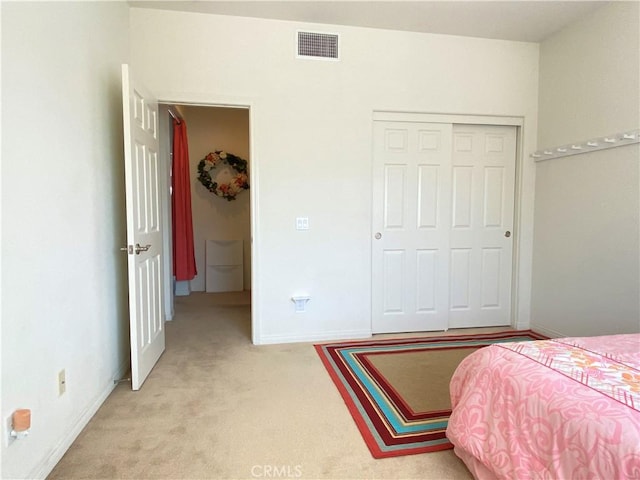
x=318 y=45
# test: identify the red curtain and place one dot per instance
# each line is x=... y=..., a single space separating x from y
x=184 y=263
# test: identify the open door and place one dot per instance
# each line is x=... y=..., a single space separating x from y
x=144 y=228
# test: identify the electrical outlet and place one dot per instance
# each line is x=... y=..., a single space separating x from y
x=7 y=432
x=62 y=382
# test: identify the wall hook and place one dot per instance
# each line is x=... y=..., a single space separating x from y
x=601 y=143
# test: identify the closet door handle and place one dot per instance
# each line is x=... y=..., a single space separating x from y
x=507 y=234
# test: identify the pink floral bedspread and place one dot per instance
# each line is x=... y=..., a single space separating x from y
x=558 y=409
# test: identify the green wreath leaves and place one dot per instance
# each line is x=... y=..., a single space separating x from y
x=228 y=190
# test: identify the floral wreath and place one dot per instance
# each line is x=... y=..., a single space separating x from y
x=228 y=190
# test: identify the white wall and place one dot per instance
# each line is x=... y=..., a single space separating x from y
x=209 y=129
x=311 y=126
x=63 y=278
x=587 y=216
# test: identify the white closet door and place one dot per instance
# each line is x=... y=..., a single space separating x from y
x=411 y=212
x=483 y=186
x=443 y=204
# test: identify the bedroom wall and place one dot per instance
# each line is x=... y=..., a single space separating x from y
x=64 y=298
x=210 y=129
x=311 y=130
x=587 y=217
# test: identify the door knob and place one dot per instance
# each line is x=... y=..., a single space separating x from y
x=140 y=248
x=507 y=234
x=378 y=235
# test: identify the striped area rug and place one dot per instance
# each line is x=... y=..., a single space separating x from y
x=398 y=390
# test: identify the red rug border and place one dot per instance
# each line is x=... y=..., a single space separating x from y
x=378 y=421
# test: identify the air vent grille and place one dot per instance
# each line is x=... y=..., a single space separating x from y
x=318 y=45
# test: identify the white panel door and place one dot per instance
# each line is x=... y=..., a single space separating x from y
x=411 y=212
x=483 y=188
x=144 y=229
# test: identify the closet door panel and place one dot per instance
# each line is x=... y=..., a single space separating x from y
x=484 y=192
x=411 y=203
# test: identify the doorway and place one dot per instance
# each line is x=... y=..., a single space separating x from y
x=210 y=128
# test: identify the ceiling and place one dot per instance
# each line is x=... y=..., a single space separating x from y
x=528 y=21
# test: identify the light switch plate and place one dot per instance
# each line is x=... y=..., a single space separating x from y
x=302 y=223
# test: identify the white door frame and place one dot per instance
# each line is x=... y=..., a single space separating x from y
x=511 y=121
x=197 y=100
x=164 y=129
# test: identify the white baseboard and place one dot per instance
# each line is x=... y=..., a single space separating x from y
x=46 y=466
x=314 y=337
x=547 y=332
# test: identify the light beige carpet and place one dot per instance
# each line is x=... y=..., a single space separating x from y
x=217 y=407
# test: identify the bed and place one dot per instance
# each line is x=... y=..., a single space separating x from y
x=565 y=408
